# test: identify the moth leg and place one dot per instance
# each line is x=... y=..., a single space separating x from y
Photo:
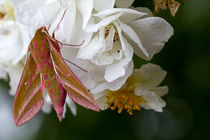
x=71 y=45
x=75 y=65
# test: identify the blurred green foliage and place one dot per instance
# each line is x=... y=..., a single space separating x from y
x=186 y=57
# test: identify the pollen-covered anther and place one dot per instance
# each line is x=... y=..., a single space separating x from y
x=107 y=29
x=7 y=11
x=124 y=99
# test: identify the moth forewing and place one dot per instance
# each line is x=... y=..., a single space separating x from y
x=28 y=99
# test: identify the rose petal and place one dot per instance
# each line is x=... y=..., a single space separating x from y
x=116 y=84
x=101 y=100
x=85 y=7
x=47 y=107
x=71 y=105
x=153 y=101
x=154 y=32
x=100 y=5
x=13 y=42
x=149 y=75
x=127 y=16
x=87 y=52
x=161 y=91
x=133 y=36
x=104 y=22
x=14 y=73
x=3 y=74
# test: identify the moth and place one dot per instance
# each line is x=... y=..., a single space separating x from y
x=45 y=69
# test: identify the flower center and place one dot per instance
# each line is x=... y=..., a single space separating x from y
x=107 y=29
x=124 y=99
x=7 y=12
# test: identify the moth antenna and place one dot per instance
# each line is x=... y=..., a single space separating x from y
x=48 y=27
x=57 y=27
x=75 y=65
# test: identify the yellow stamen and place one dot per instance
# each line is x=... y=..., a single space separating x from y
x=124 y=99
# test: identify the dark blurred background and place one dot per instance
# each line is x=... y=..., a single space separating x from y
x=186 y=58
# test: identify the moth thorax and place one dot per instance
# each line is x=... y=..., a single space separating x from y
x=124 y=99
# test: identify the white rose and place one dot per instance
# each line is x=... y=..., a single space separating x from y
x=14 y=44
x=140 y=90
x=116 y=32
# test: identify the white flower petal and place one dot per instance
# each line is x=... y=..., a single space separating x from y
x=87 y=52
x=114 y=71
x=127 y=16
x=126 y=47
x=161 y=91
x=67 y=24
x=133 y=36
x=100 y=5
x=153 y=101
x=41 y=13
x=14 y=73
x=47 y=107
x=149 y=75
x=145 y=10
x=71 y=105
x=124 y=3
x=3 y=74
x=104 y=22
x=116 y=84
x=154 y=32
x=85 y=7
x=101 y=100
x=102 y=59
x=13 y=42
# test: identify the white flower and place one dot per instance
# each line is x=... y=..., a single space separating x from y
x=14 y=40
x=45 y=12
x=116 y=32
x=14 y=44
x=140 y=90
